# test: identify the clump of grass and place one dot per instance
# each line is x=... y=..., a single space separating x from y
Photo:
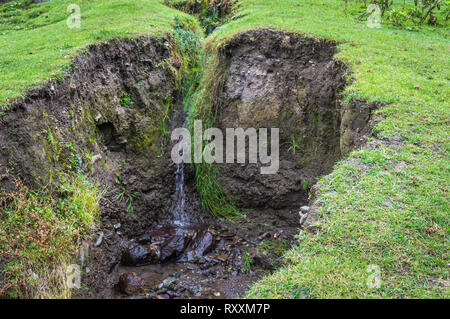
x=247 y=262
x=201 y=103
x=40 y=235
x=126 y=100
x=213 y=198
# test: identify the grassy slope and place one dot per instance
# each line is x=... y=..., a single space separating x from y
x=391 y=209
x=37 y=49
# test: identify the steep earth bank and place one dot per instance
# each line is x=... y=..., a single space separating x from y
x=111 y=118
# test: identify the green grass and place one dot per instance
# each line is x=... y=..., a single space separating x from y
x=35 y=48
x=373 y=213
x=40 y=236
x=386 y=205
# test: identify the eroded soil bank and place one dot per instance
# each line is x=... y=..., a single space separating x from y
x=110 y=119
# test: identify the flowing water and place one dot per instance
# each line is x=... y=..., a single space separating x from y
x=180 y=216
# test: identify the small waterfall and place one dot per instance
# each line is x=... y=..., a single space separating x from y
x=180 y=217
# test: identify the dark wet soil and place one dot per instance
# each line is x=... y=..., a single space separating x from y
x=219 y=260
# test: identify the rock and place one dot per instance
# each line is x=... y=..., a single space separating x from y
x=303 y=214
x=173 y=246
x=95 y=158
x=99 y=240
x=130 y=284
x=264 y=236
x=221 y=244
x=304 y=209
x=223 y=257
x=278 y=234
x=167 y=283
x=144 y=239
x=136 y=255
x=161 y=291
x=260 y=259
x=202 y=245
x=177 y=274
x=97 y=117
x=302 y=217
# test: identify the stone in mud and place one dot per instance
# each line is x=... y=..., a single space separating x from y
x=304 y=209
x=136 y=254
x=130 y=284
x=202 y=245
x=173 y=247
x=167 y=283
x=223 y=257
x=144 y=239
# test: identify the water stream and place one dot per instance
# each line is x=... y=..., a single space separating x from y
x=180 y=216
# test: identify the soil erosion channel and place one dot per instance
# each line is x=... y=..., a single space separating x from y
x=114 y=111
x=270 y=79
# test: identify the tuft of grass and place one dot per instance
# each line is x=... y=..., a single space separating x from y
x=40 y=236
x=126 y=100
x=247 y=262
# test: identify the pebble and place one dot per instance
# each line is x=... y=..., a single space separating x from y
x=130 y=283
x=95 y=158
x=99 y=240
x=176 y=274
x=167 y=283
x=304 y=209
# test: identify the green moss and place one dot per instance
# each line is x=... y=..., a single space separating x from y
x=146 y=142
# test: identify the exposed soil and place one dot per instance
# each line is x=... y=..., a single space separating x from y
x=110 y=109
x=283 y=80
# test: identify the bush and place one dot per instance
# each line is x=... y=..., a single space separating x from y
x=398 y=17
